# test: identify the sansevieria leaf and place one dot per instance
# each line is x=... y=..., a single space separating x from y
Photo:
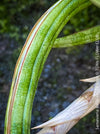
x=31 y=61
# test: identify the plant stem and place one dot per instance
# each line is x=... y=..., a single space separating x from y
x=83 y=37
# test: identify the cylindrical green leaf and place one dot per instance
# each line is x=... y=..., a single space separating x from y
x=83 y=37
x=31 y=61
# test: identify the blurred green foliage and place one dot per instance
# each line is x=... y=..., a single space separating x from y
x=18 y=16
x=96 y=2
x=87 y=124
x=15 y=16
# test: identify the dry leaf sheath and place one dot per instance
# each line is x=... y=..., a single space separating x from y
x=66 y=119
